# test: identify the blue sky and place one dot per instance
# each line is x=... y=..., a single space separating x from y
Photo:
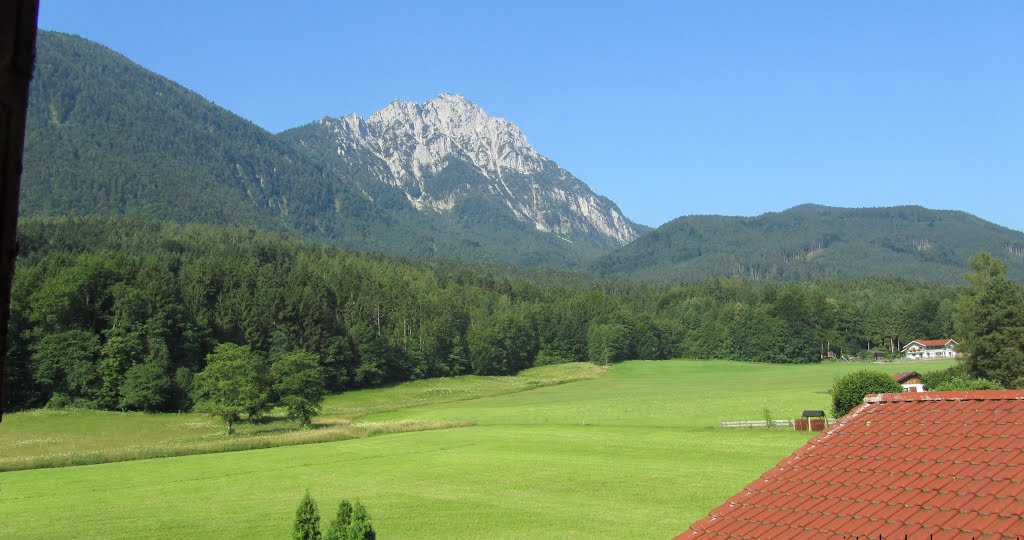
x=667 y=108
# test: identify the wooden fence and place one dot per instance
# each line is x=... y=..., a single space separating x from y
x=757 y=423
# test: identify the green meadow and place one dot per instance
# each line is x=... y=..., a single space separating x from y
x=61 y=437
x=633 y=452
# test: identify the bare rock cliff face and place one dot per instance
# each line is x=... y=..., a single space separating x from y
x=445 y=151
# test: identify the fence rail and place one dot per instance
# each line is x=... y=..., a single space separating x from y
x=757 y=423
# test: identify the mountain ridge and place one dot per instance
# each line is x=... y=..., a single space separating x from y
x=815 y=241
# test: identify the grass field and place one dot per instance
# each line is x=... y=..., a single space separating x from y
x=635 y=453
x=57 y=438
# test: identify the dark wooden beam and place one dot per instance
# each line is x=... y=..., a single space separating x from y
x=18 y=19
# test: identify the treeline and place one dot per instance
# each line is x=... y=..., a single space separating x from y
x=122 y=314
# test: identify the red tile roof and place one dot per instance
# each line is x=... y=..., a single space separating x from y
x=924 y=465
x=931 y=342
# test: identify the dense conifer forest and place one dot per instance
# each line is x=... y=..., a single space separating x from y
x=122 y=314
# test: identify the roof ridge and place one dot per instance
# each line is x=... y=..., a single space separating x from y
x=959 y=395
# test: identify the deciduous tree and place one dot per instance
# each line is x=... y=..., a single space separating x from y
x=299 y=384
x=232 y=384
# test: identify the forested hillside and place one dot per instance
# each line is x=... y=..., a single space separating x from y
x=122 y=313
x=107 y=137
x=813 y=242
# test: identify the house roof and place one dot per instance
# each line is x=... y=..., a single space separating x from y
x=948 y=464
x=905 y=376
x=930 y=342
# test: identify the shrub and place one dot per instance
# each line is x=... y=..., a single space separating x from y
x=958 y=383
x=549 y=358
x=849 y=391
x=937 y=378
x=956 y=377
x=59 y=400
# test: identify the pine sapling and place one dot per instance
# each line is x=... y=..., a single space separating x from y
x=361 y=528
x=307 y=520
x=338 y=529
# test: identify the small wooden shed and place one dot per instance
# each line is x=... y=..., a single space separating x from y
x=911 y=381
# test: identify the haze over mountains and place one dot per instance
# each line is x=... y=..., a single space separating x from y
x=437 y=179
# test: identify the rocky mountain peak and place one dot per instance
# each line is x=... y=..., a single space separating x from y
x=418 y=143
x=417 y=139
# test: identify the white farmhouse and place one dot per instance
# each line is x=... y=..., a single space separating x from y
x=931 y=348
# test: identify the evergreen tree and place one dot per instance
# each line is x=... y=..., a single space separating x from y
x=338 y=529
x=307 y=520
x=989 y=321
x=360 y=528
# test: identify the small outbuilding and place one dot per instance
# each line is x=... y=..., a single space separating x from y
x=911 y=381
x=811 y=421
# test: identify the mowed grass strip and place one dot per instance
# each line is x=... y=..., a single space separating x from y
x=352 y=405
x=633 y=454
x=679 y=394
x=57 y=438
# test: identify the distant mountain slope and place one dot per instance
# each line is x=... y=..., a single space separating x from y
x=448 y=156
x=106 y=136
x=813 y=241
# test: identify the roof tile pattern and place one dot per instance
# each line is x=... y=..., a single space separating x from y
x=916 y=465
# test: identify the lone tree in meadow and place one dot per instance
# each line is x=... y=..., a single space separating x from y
x=848 y=391
x=307 y=520
x=989 y=320
x=299 y=383
x=232 y=384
